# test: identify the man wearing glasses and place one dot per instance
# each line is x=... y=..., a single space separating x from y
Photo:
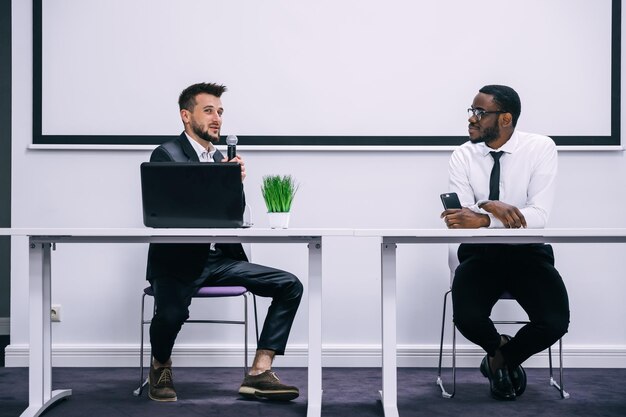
x=505 y=179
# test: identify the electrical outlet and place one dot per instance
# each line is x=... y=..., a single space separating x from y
x=55 y=312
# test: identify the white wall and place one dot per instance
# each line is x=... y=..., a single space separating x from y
x=98 y=285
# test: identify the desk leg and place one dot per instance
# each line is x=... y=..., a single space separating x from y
x=314 y=408
x=40 y=394
x=389 y=394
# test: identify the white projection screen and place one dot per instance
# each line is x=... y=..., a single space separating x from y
x=324 y=72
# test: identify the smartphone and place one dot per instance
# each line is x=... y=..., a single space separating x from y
x=450 y=201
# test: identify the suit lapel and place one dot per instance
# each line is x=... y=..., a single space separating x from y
x=217 y=156
x=188 y=150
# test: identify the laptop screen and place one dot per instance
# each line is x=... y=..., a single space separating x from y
x=192 y=194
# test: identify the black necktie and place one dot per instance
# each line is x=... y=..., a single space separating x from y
x=494 y=179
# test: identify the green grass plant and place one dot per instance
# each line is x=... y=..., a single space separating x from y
x=278 y=192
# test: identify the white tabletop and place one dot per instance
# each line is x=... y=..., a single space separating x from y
x=145 y=234
x=550 y=235
x=312 y=232
x=493 y=232
x=146 y=231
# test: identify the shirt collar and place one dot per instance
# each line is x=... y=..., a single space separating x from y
x=200 y=149
x=509 y=147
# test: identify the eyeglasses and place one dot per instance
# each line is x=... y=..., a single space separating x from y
x=479 y=113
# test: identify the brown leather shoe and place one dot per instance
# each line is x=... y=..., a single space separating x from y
x=161 y=384
x=267 y=386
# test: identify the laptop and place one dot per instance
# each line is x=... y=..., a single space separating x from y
x=192 y=194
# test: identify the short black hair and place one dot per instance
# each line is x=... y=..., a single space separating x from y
x=187 y=99
x=506 y=98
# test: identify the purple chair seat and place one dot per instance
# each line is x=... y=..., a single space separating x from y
x=203 y=292
x=210 y=292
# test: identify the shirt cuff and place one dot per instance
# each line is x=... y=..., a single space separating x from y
x=493 y=222
x=477 y=209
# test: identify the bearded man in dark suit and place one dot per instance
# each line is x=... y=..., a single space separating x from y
x=176 y=271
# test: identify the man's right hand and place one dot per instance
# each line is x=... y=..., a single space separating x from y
x=509 y=215
x=464 y=219
x=238 y=160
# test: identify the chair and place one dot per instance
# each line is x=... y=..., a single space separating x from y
x=203 y=292
x=453 y=263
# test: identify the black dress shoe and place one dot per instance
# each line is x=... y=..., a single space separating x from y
x=518 y=379
x=499 y=382
x=517 y=375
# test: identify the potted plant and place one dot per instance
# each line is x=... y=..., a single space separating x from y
x=278 y=192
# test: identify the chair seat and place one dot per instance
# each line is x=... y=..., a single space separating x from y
x=203 y=292
x=210 y=291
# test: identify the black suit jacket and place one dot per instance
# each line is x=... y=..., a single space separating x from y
x=184 y=261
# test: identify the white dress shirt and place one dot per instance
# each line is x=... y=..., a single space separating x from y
x=528 y=170
x=203 y=154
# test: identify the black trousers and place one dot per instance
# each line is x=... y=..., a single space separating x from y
x=173 y=297
x=527 y=272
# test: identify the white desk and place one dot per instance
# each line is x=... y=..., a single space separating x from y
x=390 y=238
x=42 y=240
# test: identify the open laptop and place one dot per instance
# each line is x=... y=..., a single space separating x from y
x=192 y=194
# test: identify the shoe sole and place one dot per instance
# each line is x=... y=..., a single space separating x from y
x=162 y=399
x=273 y=395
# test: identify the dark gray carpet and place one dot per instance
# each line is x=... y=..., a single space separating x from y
x=107 y=392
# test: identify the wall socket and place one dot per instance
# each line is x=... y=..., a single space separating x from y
x=55 y=312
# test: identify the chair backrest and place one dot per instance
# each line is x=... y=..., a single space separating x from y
x=453 y=260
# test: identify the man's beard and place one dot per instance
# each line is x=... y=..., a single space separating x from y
x=489 y=135
x=197 y=129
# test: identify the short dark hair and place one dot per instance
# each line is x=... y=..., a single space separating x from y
x=187 y=99
x=506 y=98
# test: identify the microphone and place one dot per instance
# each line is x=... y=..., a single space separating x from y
x=231 y=141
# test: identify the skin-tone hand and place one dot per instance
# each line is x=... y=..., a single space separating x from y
x=239 y=160
x=509 y=215
x=464 y=219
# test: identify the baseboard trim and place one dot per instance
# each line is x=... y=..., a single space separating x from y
x=125 y=355
x=5 y=326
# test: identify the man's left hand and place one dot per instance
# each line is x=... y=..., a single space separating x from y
x=510 y=216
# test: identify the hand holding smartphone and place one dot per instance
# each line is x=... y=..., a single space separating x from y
x=450 y=201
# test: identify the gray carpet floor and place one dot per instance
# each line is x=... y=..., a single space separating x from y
x=100 y=392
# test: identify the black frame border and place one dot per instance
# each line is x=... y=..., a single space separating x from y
x=393 y=141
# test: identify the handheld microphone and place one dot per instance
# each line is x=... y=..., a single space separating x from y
x=231 y=141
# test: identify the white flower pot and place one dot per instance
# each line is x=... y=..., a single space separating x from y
x=279 y=220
